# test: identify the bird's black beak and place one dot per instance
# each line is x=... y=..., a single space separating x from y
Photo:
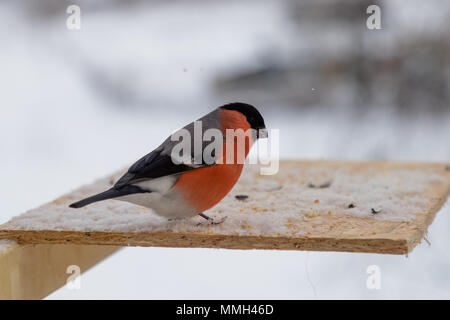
x=263 y=133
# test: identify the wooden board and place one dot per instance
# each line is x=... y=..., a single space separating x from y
x=303 y=207
x=35 y=271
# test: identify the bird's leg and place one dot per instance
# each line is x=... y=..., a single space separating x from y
x=211 y=220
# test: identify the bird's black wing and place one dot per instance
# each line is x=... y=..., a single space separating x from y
x=154 y=165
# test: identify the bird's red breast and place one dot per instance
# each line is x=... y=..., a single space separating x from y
x=205 y=187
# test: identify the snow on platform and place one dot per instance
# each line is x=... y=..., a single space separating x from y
x=380 y=207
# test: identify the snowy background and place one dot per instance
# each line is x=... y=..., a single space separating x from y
x=78 y=105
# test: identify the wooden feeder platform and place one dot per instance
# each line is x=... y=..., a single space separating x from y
x=376 y=207
x=373 y=207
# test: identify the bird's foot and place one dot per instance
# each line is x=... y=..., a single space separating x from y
x=211 y=221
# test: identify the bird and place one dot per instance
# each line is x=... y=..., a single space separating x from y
x=183 y=189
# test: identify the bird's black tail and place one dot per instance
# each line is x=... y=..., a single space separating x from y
x=108 y=194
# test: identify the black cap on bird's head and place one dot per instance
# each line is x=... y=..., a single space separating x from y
x=252 y=114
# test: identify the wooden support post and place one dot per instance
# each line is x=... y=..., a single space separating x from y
x=35 y=271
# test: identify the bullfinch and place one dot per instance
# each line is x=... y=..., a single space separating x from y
x=182 y=189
